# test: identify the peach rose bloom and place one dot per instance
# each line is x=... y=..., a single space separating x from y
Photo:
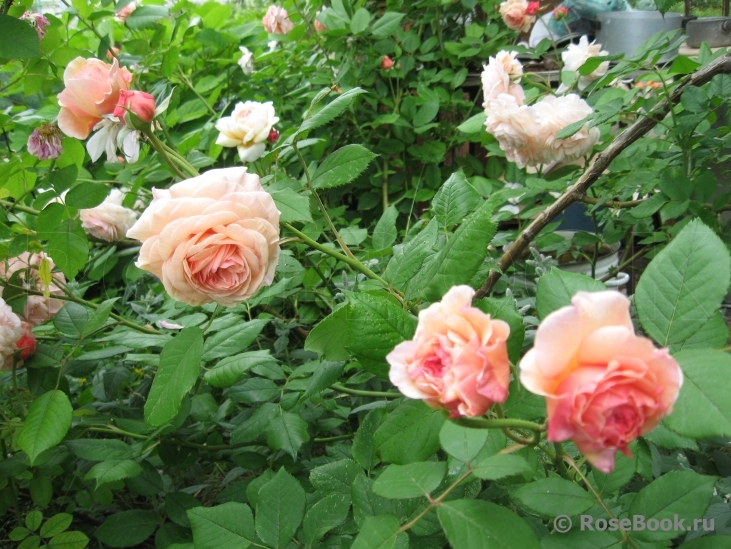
x=247 y=129
x=38 y=308
x=557 y=113
x=109 y=221
x=276 y=21
x=212 y=238
x=10 y=332
x=458 y=359
x=502 y=75
x=92 y=90
x=125 y=12
x=604 y=385
x=514 y=15
x=517 y=129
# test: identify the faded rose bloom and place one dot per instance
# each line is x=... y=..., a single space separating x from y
x=38 y=21
x=247 y=129
x=109 y=221
x=38 y=308
x=111 y=134
x=142 y=104
x=533 y=7
x=458 y=358
x=577 y=54
x=604 y=385
x=560 y=13
x=515 y=16
x=276 y=21
x=501 y=75
x=557 y=113
x=125 y=12
x=92 y=91
x=45 y=142
x=10 y=332
x=386 y=63
x=212 y=238
x=247 y=60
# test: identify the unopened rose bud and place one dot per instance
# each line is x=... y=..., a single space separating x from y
x=27 y=343
x=139 y=103
x=533 y=7
x=386 y=63
x=273 y=136
x=114 y=51
x=560 y=13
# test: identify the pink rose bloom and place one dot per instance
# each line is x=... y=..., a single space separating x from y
x=533 y=7
x=557 y=113
x=386 y=63
x=38 y=308
x=38 y=21
x=125 y=12
x=560 y=13
x=276 y=21
x=515 y=16
x=92 y=91
x=45 y=143
x=142 y=104
x=501 y=75
x=26 y=344
x=109 y=221
x=247 y=129
x=517 y=130
x=604 y=385
x=10 y=332
x=212 y=238
x=458 y=359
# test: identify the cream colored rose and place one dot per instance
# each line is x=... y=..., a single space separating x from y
x=10 y=331
x=514 y=15
x=577 y=54
x=109 y=221
x=247 y=129
x=517 y=130
x=212 y=238
x=557 y=113
x=276 y=21
x=38 y=309
x=501 y=75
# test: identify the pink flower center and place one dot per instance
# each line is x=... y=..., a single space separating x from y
x=221 y=267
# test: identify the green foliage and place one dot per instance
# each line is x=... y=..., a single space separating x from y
x=48 y=421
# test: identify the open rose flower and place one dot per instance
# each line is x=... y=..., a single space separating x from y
x=515 y=15
x=604 y=385
x=92 y=91
x=10 y=332
x=109 y=221
x=212 y=238
x=577 y=54
x=38 y=308
x=276 y=21
x=458 y=359
x=247 y=129
x=501 y=75
x=557 y=113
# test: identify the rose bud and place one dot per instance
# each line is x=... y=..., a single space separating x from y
x=560 y=13
x=26 y=344
x=139 y=103
x=533 y=7
x=386 y=63
x=273 y=136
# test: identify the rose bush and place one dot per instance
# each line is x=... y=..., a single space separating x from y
x=358 y=328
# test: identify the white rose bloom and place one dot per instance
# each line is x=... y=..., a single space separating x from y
x=247 y=60
x=501 y=75
x=577 y=54
x=111 y=134
x=247 y=129
x=557 y=113
x=109 y=221
x=10 y=330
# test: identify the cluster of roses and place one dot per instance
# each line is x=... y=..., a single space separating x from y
x=520 y=15
x=604 y=385
x=16 y=337
x=527 y=133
